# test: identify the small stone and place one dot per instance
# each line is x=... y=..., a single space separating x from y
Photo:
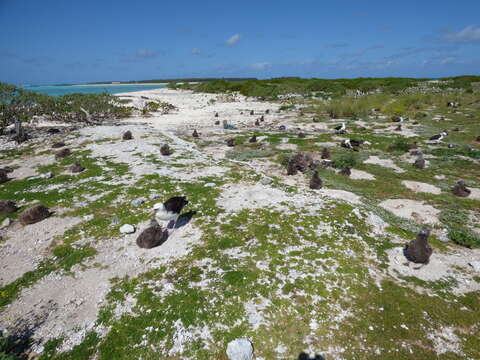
x=116 y=220
x=266 y=180
x=210 y=185
x=5 y=223
x=88 y=217
x=137 y=202
x=47 y=175
x=475 y=264
x=154 y=196
x=127 y=229
x=240 y=349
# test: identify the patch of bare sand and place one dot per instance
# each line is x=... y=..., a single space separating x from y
x=421 y=187
x=384 y=162
x=412 y=210
x=361 y=175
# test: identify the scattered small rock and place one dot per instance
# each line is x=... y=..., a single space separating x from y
x=240 y=349
x=58 y=145
x=266 y=180
x=154 y=196
x=5 y=223
x=137 y=202
x=47 y=175
x=127 y=229
x=475 y=265
x=210 y=185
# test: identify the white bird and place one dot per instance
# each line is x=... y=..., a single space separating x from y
x=439 y=137
x=170 y=209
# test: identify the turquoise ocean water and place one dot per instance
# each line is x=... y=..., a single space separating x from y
x=92 y=89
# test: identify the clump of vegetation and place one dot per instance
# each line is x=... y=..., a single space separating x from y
x=341 y=161
x=400 y=145
x=247 y=155
x=464 y=237
x=155 y=106
x=18 y=103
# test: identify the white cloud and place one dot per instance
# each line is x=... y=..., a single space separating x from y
x=196 y=51
x=232 y=40
x=470 y=34
x=261 y=65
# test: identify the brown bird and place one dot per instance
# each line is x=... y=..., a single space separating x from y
x=231 y=142
x=195 y=133
x=216 y=114
x=152 y=236
x=7 y=207
x=301 y=135
x=127 y=135
x=347 y=171
x=217 y=122
x=262 y=118
x=257 y=123
x=76 y=167
x=460 y=189
x=252 y=112
x=165 y=150
x=419 y=162
x=300 y=162
x=418 y=250
x=58 y=145
x=62 y=154
x=477 y=139
x=325 y=154
x=398 y=128
x=34 y=215
x=253 y=139
x=267 y=111
x=315 y=181
x=3 y=177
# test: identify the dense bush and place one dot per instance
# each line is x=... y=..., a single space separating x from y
x=343 y=160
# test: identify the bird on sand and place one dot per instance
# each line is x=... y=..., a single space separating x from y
x=439 y=137
x=170 y=209
x=195 y=133
x=418 y=250
x=152 y=236
x=460 y=189
x=341 y=128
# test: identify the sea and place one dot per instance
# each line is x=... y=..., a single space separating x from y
x=58 y=90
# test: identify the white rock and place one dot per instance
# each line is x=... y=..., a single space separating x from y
x=266 y=180
x=475 y=265
x=88 y=217
x=127 y=229
x=240 y=349
x=210 y=185
x=5 y=223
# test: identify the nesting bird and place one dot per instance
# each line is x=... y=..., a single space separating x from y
x=315 y=182
x=419 y=162
x=252 y=112
x=127 y=135
x=165 y=150
x=217 y=122
x=300 y=162
x=439 y=137
x=347 y=171
x=257 y=122
x=34 y=215
x=195 y=133
x=398 y=128
x=231 y=142
x=301 y=135
x=460 y=189
x=398 y=119
x=170 y=209
x=76 y=168
x=53 y=131
x=325 y=154
x=152 y=236
x=453 y=104
x=62 y=154
x=315 y=120
x=262 y=118
x=267 y=111
x=340 y=128
x=418 y=250
x=216 y=114
x=58 y=145
x=3 y=177
x=477 y=139
x=7 y=207
x=253 y=139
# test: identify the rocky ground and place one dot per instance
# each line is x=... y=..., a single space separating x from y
x=260 y=254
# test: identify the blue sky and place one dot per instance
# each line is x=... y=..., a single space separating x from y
x=62 y=41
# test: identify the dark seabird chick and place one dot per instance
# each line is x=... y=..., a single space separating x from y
x=300 y=162
x=76 y=167
x=257 y=122
x=216 y=114
x=315 y=120
x=152 y=236
x=262 y=118
x=217 y=122
x=315 y=182
x=127 y=135
x=302 y=135
x=347 y=171
x=419 y=162
x=460 y=189
x=3 y=177
x=253 y=139
x=231 y=142
x=7 y=207
x=418 y=250
x=341 y=128
x=398 y=128
x=477 y=139
x=58 y=145
x=34 y=215
x=170 y=209
x=53 y=131
x=252 y=112
x=456 y=129
x=165 y=150
x=6 y=169
x=267 y=111
x=439 y=137
x=325 y=154
x=62 y=154
x=195 y=133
